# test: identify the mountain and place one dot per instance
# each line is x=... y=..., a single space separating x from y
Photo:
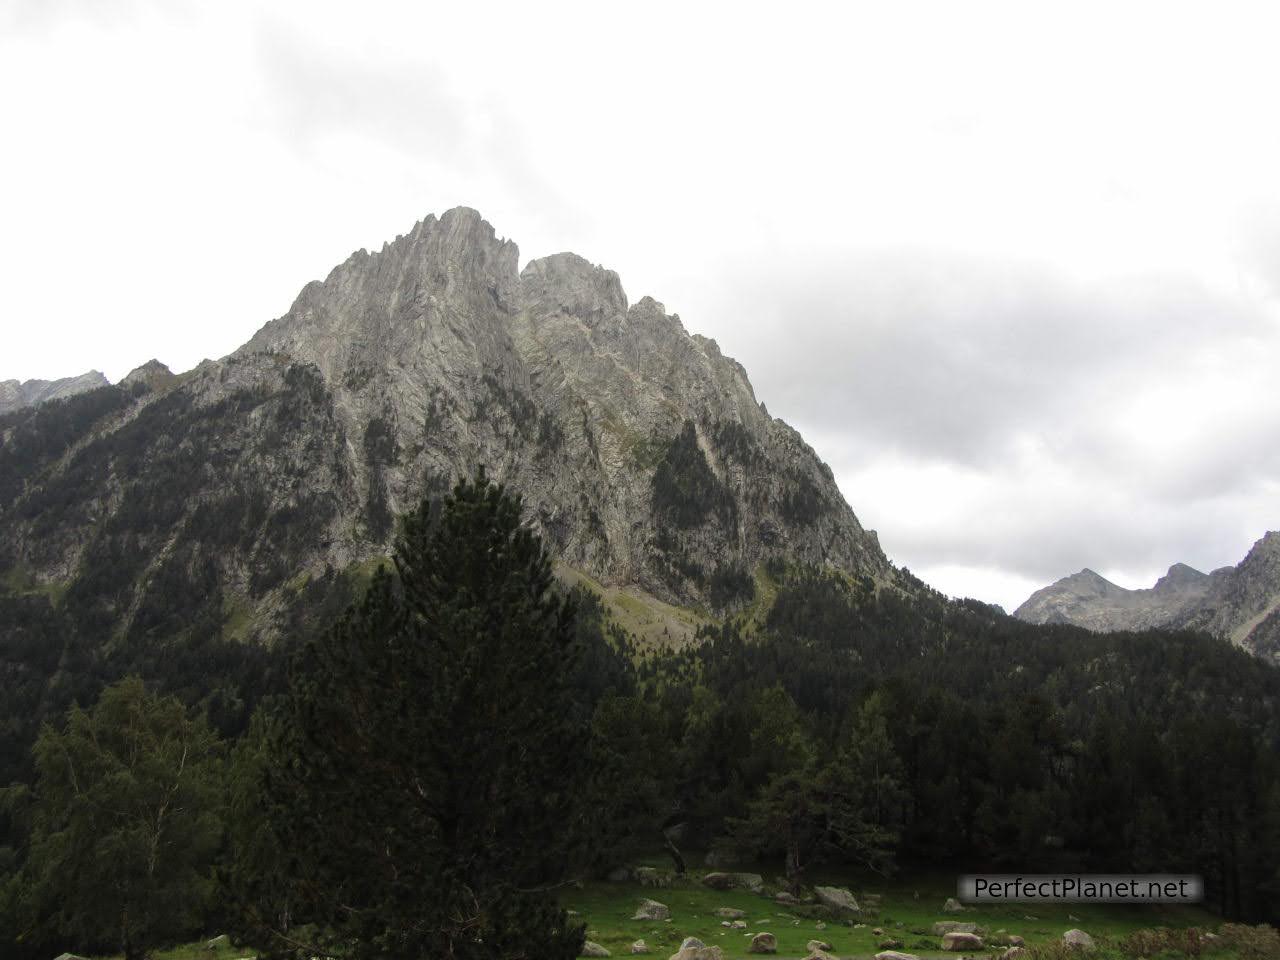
x=29 y=393
x=1237 y=603
x=256 y=486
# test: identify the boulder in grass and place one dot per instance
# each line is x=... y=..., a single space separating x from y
x=695 y=949
x=730 y=913
x=734 y=881
x=838 y=900
x=1016 y=941
x=957 y=941
x=1077 y=940
x=952 y=906
x=592 y=949
x=943 y=927
x=763 y=943
x=220 y=942
x=652 y=910
x=639 y=947
x=889 y=944
x=895 y=955
x=1013 y=953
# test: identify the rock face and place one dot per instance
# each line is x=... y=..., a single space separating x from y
x=1241 y=603
x=640 y=449
x=644 y=459
x=30 y=393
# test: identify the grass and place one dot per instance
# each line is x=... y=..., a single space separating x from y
x=908 y=909
x=19 y=581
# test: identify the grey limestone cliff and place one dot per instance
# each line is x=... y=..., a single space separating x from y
x=641 y=451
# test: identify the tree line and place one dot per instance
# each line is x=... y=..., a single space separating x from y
x=420 y=772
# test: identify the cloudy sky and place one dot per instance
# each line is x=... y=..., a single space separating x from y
x=1013 y=269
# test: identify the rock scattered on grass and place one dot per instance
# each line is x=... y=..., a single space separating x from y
x=652 y=910
x=1077 y=940
x=958 y=941
x=763 y=943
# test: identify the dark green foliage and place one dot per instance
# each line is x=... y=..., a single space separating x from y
x=731 y=585
x=802 y=502
x=33 y=438
x=380 y=446
x=515 y=404
x=126 y=823
x=380 y=451
x=686 y=492
x=428 y=737
x=733 y=440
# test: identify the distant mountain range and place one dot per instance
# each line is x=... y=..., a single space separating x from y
x=15 y=395
x=1240 y=603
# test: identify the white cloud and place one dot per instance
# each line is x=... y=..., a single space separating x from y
x=1015 y=272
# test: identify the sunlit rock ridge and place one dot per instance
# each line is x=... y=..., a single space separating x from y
x=642 y=453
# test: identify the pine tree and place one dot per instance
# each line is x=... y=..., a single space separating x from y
x=431 y=753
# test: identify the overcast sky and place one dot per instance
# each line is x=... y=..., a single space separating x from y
x=1012 y=269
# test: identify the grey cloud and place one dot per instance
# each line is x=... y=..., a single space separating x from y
x=952 y=359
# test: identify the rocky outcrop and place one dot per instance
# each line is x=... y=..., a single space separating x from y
x=153 y=375
x=15 y=395
x=643 y=456
x=1241 y=603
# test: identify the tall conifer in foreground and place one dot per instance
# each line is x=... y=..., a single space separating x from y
x=429 y=755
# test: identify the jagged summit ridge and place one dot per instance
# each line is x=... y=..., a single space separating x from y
x=441 y=320
x=641 y=451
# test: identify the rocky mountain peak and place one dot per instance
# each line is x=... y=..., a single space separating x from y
x=640 y=450
x=153 y=374
x=1240 y=603
x=15 y=395
x=1180 y=575
x=572 y=284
